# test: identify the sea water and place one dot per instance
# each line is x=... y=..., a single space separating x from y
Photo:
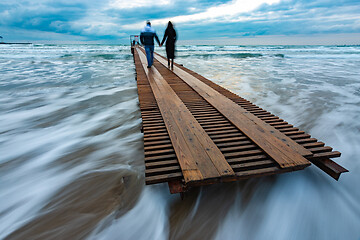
x=71 y=150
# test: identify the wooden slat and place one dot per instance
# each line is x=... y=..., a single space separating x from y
x=162 y=170
x=280 y=147
x=330 y=167
x=163 y=178
x=162 y=157
x=247 y=159
x=198 y=156
x=152 y=143
x=161 y=163
x=260 y=172
x=326 y=155
x=254 y=165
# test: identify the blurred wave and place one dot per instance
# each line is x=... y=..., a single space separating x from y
x=71 y=162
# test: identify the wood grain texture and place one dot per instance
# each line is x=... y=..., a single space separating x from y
x=282 y=149
x=243 y=155
x=197 y=154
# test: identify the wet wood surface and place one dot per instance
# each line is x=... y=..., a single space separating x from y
x=197 y=154
x=178 y=106
x=281 y=148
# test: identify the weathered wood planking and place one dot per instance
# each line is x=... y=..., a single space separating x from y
x=321 y=157
x=282 y=149
x=198 y=156
x=242 y=154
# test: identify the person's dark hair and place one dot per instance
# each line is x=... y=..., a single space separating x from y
x=170 y=25
x=148 y=23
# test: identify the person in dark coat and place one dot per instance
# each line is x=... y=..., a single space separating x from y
x=170 y=37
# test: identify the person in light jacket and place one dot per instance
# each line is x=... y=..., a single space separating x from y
x=147 y=36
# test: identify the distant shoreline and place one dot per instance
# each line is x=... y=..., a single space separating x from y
x=13 y=43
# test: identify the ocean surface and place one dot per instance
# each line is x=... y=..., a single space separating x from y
x=71 y=150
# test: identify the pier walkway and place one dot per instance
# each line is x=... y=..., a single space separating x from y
x=198 y=133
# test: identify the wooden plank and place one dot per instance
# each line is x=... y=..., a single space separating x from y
x=227 y=135
x=231 y=144
x=280 y=147
x=224 y=132
x=162 y=170
x=161 y=163
x=260 y=172
x=253 y=165
x=158 y=158
x=163 y=178
x=326 y=155
x=216 y=124
x=330 y=167
x=239 y=148
x=159 y=152
x=306 y=140
x=243 y=153
x=198 y=156
x=255 y=158
x=156 y=147
x=313 y=144
x=153 y=143
x=155 y=138
x=230 y=139
x=321 y=149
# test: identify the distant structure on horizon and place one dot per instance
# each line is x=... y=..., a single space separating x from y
x=2 y=41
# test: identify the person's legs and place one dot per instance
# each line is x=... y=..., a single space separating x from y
x=152 y=55
x=148 y=54
x=172 y=63
x=168 y=62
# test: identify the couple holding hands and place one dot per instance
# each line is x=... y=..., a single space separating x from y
x=147 y=39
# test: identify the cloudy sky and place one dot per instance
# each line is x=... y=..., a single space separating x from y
x=197 y=21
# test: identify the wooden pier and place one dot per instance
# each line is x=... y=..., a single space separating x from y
x=198 y=133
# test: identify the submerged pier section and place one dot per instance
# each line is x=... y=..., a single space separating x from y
x=198 y=133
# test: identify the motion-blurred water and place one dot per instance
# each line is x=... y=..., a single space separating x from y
x=71 y=151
